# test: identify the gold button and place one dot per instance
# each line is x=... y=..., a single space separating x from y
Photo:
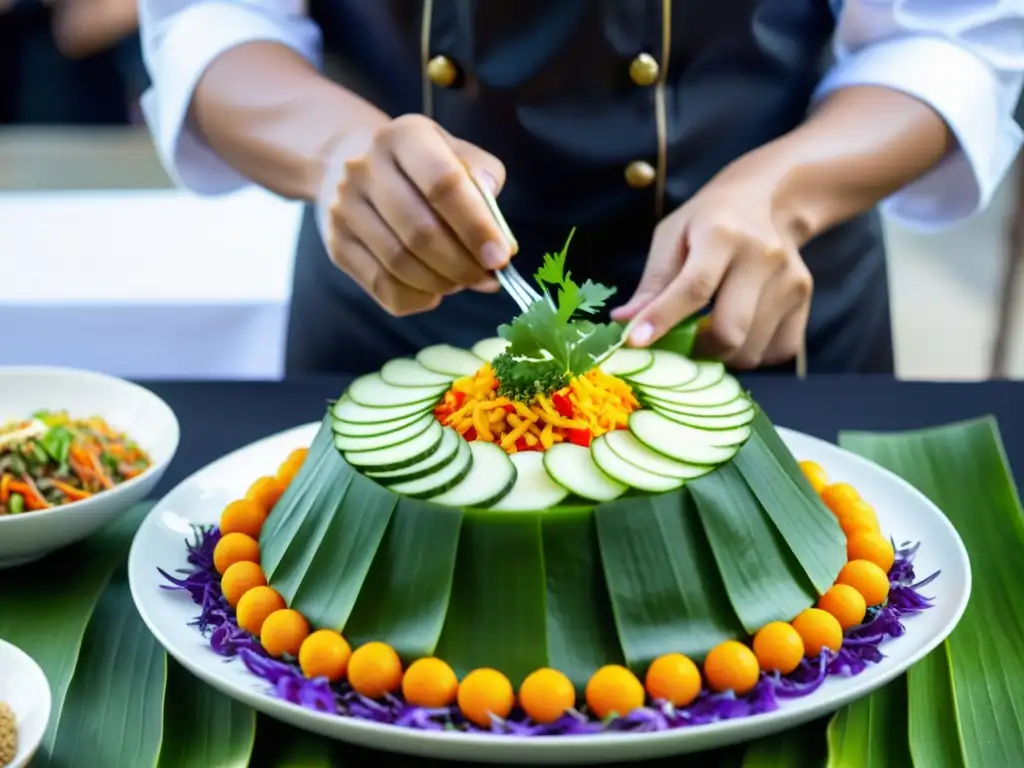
x=643 y=70
x=639 y=174
x=442 y=71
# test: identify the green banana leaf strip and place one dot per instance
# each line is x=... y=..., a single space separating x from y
x=681 y=338
x=580 y=626
x=872 y=732
x=497 y=615
x=291 y=509
x=815 y=539
x=764 y=581
x=53 y=635
x=343 y=556
x=932 y=726
x=802 y=747
x=663 y=583
x=407 y=590
x=962 y=468
x=203 y=727
x=114 y=709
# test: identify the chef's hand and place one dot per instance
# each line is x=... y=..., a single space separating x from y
x=406 y=221
x=729 y=242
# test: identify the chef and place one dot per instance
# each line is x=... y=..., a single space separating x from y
x=732 y=152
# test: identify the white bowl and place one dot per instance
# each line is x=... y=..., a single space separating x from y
x=23 y=687
x=126 y=407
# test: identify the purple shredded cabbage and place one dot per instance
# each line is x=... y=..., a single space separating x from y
x=216 y=621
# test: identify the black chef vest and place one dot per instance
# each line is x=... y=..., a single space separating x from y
x=608 y=114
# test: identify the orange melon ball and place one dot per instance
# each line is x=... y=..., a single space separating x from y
x=325 y=653
x=265 y=491
x=614 y=690
x=731 y=666
x=815 y=475
x=546 y=694
x=846 y=604
x=871 y=546
x=290 y=467
x=837 y=495
x=255 y=606
x=868 y=579
x=818 y=629
x=857 y=517
x=283 y=632
x=243 y=516
x=235 y=548
x=673 y=678
x=485 y=692
x=239 y=579
x=430 y=683
x=375 y=670
x=778 y=647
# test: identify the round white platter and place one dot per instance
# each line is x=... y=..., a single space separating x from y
x=903 y=512
x=24 y=688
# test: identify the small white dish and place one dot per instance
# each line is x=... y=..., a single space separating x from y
x=23 y=687
x=126 y=407
x=905 y=514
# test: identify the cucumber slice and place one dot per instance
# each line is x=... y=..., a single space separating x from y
x=618 y=468
x=491 y=476
x=728 y=421
x=573 y=468
x=445 y=452
x=488 y=349
x=348 y=411
x=627 y=362
x=534 y=490
x=402 y=455
x=677 y=441
x=371 y=391
x=726 y=437
x=738 y=405
x=346 y=443
x=709 y=373
x=725 y=391
x=627 y=447
x=668 y=370
x=449 y=360
x=371 y=430
x=445 y=478
x=403 y=372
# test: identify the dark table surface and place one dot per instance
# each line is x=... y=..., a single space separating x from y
x=217 y=417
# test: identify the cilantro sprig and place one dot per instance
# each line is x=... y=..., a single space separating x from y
x=553 y=341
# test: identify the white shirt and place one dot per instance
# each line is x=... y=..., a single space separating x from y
x=964 y=58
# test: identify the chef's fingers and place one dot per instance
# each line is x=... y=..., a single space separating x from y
x=668 y=249
x=790 y=336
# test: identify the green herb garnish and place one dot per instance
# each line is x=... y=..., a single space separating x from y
x=57 y=444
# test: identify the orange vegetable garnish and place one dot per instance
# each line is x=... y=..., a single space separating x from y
x=731 y=666
x=374 y=670
x=868 y=579
x=485 y=692
x=778 y=647
x=872 y=546
x=857 y=517
x=818 y=629
x=546 y=694
x=325 y=653
x=239 y=579
x=845 y=603
x=283 y=632
x=243 y=516
x=255 y=606
x=290 y=467
x=614 y=689
x=430 y=682
x=235 y=548
x=673 y=678
x=838 y=494
x=265 y=491
x=815 y=475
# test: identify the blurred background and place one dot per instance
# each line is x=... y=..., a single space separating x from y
x=104 y=265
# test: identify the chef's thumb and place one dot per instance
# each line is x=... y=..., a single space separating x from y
x=482 y=165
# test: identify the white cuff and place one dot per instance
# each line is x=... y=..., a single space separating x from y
x=192 y=39
x=965 y=91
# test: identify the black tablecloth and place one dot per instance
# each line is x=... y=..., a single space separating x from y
x=217 y=417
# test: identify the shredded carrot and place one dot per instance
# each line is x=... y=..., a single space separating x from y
x=75 y=494
x=591 y=405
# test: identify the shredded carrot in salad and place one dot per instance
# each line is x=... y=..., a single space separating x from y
x=589 y=406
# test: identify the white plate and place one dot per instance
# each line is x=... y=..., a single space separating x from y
x=126 y=407
x=904 y=512
x=23 y=687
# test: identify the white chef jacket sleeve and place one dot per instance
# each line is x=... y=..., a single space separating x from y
x=180 y=38
x=965 y=59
